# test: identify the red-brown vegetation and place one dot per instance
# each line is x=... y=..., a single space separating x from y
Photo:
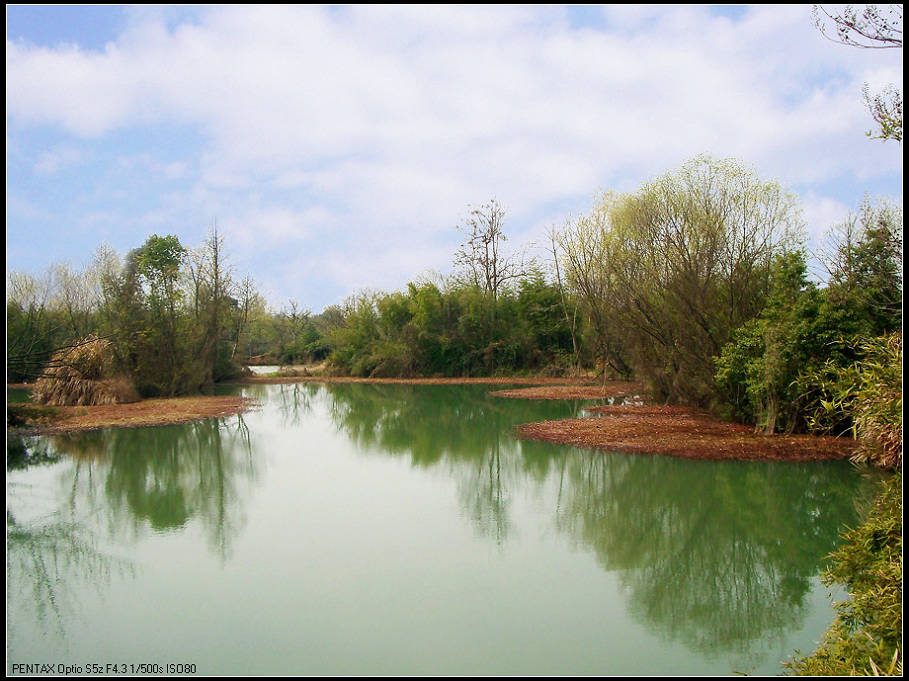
x=599 y=391
x=153 y=412
x=682 y=432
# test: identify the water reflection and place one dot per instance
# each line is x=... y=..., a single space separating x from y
x=713 y=555
x=47 y=563
x=471 y=435
x=435 y=423
x=53 y=554
x=720 y=558
x=158 y=479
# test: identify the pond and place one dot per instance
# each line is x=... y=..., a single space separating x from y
x=394 y=529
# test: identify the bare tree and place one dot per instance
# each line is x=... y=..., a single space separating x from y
x=554 y=240
x=481 y=256
x=872 y=28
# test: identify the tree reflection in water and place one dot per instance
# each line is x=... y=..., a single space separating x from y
x=713 y=555
x=121 y=480
x=160 y=478
x=470 y=436
x=51 y=557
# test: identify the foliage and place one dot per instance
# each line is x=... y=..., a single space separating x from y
x=175 y=317
x=668 y=273
x=886 y=109
x=868 y=394
x=866 y=267
x=461 y=330
x=756 y=370
x=865 y=638
x=45 y=314
x=872 y=28
x=788 y=368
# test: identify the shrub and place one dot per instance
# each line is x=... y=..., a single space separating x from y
x=866 y=634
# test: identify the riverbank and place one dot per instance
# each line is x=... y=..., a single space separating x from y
x=682 y=432
x=30 y=419
x=480 y=380
x=613 y=390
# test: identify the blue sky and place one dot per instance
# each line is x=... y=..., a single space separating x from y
x=338 y=147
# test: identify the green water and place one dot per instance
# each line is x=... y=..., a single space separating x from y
x=383 y=529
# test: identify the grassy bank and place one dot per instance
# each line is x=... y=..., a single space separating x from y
x=866 y=636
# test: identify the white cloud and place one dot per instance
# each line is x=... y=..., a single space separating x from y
x=390 y=120
x=54 y=160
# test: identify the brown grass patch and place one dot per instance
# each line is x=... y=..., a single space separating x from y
x=82 y=375
x=610 y=390
x=682 y=432
x=154 y=412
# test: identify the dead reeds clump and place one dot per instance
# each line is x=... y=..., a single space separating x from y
x=83 y=375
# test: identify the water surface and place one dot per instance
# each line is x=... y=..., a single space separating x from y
x=393 y=529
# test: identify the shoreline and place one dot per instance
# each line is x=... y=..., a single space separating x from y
x=492 y=380
x=638 y=428
x=682 y=432
x=159 y=411
x=585 y=391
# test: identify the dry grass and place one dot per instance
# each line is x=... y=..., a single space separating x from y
x=83 y=375
x=682 y=432
x=611 y=390
x=154 y=412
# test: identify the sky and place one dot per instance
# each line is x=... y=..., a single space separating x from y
x=337 y=148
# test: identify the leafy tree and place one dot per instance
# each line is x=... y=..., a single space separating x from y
x=758 y=368
x=669 y=272
x=158 y=264
x=866 y=268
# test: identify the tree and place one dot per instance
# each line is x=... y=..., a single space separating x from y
x=158 y=263
x=592 y=254
x=31 y=329
x=480 y=257
x=570 y=320
x=866 y=268
x=667 y=273
x=872 y=28
x=758 y=368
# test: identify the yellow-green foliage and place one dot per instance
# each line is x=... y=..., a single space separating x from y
x=879 y=402
x=865 y=638
x=870 y=393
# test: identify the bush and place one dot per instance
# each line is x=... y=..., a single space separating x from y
x=867 y=393
x=866 y=634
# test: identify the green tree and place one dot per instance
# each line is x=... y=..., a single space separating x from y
x=669 y=272
x=866 y=268
x=759 y=367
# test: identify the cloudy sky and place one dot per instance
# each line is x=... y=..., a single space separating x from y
x=336 y=148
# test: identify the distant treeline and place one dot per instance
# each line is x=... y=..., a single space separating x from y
x=696 y=284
